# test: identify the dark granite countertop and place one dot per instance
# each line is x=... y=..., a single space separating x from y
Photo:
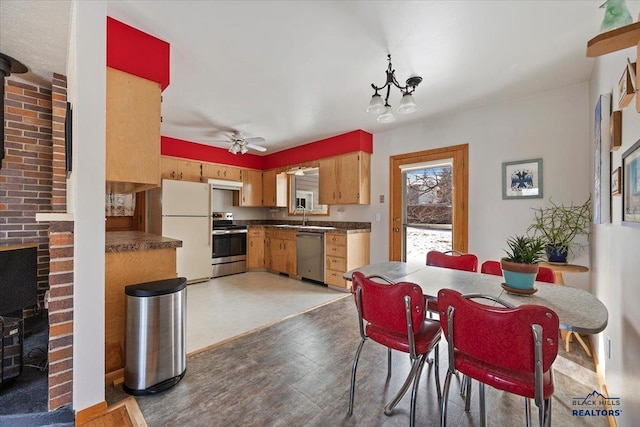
x=125 y=241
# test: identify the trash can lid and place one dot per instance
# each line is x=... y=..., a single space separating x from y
x=156 y=288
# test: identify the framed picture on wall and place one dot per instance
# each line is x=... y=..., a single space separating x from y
x=522 y=179
x=601 y=204
x=615 y=181
x=631 y=185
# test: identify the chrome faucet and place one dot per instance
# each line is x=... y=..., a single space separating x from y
x=304 y=214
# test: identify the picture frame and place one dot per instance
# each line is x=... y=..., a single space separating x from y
x=631 y=186
x=626 y=85
x=601 y=159
x=615 y=181
x=615 y=131
x=522 y=179
x=68 y=139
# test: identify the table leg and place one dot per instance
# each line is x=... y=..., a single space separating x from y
x=579 y=339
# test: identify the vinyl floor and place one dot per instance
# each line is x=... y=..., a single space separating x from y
x=296 y=372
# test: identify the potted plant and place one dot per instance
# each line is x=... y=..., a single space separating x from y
x=559 y=225
x=520 y=266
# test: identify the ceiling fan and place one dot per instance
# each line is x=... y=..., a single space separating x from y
x=241 y=144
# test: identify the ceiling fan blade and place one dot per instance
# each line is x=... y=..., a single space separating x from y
x=256 y=147
x=254 y=139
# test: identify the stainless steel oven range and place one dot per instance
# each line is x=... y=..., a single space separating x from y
x=229 y=254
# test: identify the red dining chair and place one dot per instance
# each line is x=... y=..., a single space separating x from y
x=545 y=274
x=453 y=259
x=509 y=348
x=395 y=317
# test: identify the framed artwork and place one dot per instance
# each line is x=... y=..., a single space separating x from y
x=522 y=179
x=615 y=130
x=601 y=203
x=631 y=185
x=615 y=181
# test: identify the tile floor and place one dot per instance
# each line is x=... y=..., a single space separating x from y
x=229 y=306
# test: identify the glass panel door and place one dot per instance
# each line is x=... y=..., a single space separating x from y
x=428 y=209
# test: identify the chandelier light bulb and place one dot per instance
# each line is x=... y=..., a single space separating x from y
x=387 y=116
x=407 y=105
x=376 y=106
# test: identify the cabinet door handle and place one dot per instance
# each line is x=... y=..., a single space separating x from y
x=180 y=175
x=173 y=174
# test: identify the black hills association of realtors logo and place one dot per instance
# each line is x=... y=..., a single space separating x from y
x=595 y=405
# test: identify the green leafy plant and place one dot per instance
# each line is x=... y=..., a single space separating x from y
x=559 y=225
x=525 y=249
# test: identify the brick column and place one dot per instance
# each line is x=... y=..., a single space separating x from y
x=60 y=314
x=58 y=115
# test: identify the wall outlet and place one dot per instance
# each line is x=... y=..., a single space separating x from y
x=382 y=198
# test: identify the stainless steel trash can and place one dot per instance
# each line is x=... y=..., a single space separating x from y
x=155 y=349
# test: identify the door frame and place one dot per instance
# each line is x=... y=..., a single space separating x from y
x=460 y=219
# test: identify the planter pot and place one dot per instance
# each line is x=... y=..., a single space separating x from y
x=519 y=276
x=557 y=254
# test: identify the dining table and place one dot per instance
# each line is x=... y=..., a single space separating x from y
x=578 y=310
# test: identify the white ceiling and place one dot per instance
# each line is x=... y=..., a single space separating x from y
x=295 y=72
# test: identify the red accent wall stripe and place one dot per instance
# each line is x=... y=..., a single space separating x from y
x=138 y=53
x=206 y=153
x=357 y=140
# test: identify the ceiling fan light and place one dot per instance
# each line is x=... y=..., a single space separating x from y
x=234 y=148
x=407 y=105
x=387 y=116
x=243 y=149
x=376 y=105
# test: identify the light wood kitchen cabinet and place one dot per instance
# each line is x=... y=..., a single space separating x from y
x=132 y=132
x=179 y=169
x=344 y=252
x=251 y=192
x=282 y=251
x=274 y=188
x=345 y=179
x=255 y=247
x=214 y=170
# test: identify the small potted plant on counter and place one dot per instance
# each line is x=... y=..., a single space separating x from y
x=559 y=225
x=520 y=266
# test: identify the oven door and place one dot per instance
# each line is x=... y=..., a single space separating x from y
x=229 y=243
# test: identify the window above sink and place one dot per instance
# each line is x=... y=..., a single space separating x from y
x=304 y=192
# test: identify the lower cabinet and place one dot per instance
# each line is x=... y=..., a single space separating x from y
x=344 y=252
x=282 y=251
x=255 y=247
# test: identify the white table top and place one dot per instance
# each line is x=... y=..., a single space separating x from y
x=577 y=309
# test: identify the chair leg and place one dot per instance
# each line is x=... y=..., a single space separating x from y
x=414 y=392
x=467 y=393
x=483 y=412
x=388 y=409
x=547 y=412
x=527 y=411
x=436 y=357
x=445 y=398
x=353 y=376
x=388 y=363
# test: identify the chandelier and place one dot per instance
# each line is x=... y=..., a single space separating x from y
x=381 y=106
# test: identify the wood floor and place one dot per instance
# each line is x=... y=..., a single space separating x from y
x=296 y=373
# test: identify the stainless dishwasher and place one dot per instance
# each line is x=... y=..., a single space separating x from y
x=310 y=254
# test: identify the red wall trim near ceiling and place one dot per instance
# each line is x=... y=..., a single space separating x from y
x=138 y=53
x=206 y=153
x=357 y=140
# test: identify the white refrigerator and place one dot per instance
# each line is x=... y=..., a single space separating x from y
x=182 y=210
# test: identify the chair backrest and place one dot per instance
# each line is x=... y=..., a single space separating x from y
x=491 y=267
x=383 y=304
x=545 y=274
x=466 y=262
x=498 y=336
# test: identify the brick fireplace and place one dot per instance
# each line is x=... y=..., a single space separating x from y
x=33 y=180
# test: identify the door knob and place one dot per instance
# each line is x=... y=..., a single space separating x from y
x=396 y=230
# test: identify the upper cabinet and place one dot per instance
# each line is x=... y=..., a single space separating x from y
x=274 y=188
x=213 y=170
x=132 y=132
x=179 y=169
x=346 y=179
x=251 y=192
